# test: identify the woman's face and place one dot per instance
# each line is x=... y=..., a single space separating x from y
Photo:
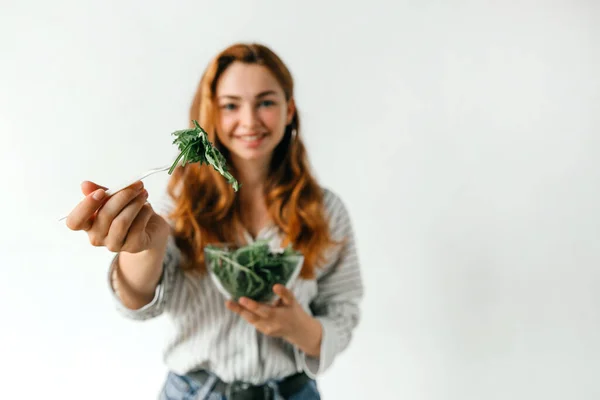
x=252 y=111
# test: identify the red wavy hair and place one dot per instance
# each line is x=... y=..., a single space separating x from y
x=207 y=210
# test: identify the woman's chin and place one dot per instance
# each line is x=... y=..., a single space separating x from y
x=249 y=153
x=252 y=155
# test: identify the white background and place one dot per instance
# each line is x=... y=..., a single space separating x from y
x=463 y=137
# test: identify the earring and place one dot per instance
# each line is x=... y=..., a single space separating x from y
x=294 y=133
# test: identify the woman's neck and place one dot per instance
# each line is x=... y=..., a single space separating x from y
x=252 y=175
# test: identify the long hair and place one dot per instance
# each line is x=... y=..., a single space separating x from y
x=207 y=210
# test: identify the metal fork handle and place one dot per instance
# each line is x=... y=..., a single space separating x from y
x=146 y=174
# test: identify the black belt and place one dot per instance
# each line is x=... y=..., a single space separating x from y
x=242 y=390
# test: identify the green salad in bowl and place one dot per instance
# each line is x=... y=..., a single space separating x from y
x=252 y=270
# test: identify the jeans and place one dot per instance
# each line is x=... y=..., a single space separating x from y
x=179 y=387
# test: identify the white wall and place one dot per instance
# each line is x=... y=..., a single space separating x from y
x=463 y=137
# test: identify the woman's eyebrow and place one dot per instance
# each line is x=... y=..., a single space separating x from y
x=265 y=93
x=261 y=94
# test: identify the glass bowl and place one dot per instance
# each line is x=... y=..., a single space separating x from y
x=252 y=270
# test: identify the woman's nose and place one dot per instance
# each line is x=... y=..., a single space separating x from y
x=248 y=117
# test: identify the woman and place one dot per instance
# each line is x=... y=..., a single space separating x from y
x=223 y=349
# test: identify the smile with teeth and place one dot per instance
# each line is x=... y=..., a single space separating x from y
x=250 y=138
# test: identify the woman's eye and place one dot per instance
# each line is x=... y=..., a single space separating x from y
x=266 y=103
x=228 y=106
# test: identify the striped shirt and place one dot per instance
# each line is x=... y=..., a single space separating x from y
x=206 y=335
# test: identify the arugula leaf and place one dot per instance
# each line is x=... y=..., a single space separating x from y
x=194 y=146
x=252 y=270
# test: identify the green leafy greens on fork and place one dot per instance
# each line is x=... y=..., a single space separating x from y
x=194 y=146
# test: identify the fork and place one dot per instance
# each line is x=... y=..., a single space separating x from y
x=128 y=183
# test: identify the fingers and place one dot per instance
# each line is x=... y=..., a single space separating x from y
x=286 y=295
x=244 y=313
x=137 y=231
x=252 y=310
x=88 y=187
x=259 y=309
x=119 y=229
x=114 y=206
x=81 y=216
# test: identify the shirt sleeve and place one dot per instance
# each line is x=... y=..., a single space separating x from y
x=170 y=280
x=171 y=277
x=340 y=291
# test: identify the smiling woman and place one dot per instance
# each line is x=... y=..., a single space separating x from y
x=253 y=116
x=221 y=348
x=248 y=91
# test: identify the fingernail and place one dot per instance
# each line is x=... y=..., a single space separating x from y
x=244 y=301
x=99 y=194
x=138 y=185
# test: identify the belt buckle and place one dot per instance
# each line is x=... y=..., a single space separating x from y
x=239 y=390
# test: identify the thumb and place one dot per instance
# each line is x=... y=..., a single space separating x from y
x=286 y=296
x=88 y=187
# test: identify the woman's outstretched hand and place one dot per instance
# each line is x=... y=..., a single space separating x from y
x=121 y=222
